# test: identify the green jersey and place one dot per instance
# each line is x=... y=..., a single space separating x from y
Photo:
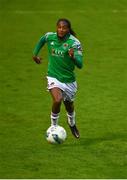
x=61 y=66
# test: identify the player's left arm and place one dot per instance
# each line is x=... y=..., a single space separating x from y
x=37 y=48
x=76 y=54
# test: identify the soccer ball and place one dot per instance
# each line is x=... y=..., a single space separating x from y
x=56 y=134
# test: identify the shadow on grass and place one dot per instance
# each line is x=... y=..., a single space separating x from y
x=105 y=137
x=91 y=141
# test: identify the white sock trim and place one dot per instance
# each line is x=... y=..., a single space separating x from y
x=54 y=118
x=71 y=118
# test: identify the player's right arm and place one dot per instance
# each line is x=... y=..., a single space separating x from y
x=76 y=54
x=37 y=48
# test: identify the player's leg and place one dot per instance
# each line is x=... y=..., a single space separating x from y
x=56 y=94
x=69 y=105
x=70 y=112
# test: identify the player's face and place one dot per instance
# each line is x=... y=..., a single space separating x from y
x=62 y=29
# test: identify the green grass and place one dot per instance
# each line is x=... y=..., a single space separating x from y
x=101 y=101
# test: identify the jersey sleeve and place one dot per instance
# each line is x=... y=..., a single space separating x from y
x=78 y=56
x=41 y=43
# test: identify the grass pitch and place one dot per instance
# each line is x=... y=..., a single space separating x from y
x=101 y=101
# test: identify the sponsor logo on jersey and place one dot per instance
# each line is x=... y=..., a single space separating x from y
x=57 y=52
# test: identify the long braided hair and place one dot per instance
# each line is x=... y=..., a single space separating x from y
x=68 y=24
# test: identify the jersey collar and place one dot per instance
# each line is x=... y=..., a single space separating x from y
x=64 y=38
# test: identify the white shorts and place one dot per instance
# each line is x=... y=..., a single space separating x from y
x=68 y=89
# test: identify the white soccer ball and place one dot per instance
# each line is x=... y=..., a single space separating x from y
x=56 y=134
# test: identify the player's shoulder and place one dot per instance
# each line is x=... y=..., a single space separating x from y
x=50 y=35
x=74 y=39
x=75 y=43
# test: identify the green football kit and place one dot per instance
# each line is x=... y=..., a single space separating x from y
x=61 y=66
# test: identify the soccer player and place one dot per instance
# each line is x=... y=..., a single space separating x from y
x=65 y=52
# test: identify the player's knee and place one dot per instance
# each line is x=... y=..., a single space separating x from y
x=58 y=100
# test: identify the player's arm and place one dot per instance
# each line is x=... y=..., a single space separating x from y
x=76 y=54
x=37 y=48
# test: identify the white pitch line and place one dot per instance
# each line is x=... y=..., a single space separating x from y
x=61 y=12
x=103 y=11
x=37 y=12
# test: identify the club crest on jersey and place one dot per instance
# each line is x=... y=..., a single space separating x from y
x=65 y=45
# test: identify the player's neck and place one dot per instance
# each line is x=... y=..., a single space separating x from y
x=64 y=37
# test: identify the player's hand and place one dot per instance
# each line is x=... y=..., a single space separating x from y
x=71 y=52
x=37 y=59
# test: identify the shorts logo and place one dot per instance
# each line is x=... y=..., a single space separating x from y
x=51 y=84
